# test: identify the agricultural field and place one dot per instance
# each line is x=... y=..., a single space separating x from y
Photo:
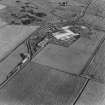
x=52 y=52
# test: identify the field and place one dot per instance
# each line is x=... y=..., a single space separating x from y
x=61 y=72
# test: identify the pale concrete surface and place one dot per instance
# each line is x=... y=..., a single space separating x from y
x=2 y=6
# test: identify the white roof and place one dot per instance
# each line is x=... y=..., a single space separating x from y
x=67 y=33
x=2 y=6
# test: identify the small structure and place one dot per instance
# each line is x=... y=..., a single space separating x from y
x=65 y=34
